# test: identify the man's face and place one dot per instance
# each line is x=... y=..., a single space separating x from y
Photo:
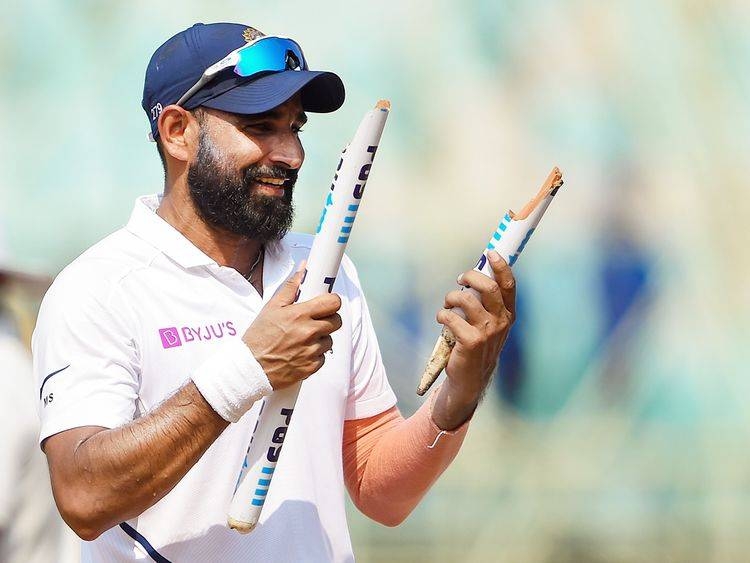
x=245 y=168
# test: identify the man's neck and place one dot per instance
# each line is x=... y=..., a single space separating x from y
x=226 y=249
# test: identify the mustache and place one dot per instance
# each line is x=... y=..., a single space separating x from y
x=254 y=172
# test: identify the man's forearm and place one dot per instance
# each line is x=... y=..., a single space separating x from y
x=116 y=474
x=390 y=462
x=453 y=406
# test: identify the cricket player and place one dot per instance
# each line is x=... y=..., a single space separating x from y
x=153 y=349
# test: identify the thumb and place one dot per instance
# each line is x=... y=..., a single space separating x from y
x=287 y=293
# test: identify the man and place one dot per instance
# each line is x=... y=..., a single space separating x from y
x=154 y=349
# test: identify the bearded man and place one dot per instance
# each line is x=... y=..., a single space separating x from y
x=154 y=348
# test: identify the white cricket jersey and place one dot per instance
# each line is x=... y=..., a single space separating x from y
x=121 y=329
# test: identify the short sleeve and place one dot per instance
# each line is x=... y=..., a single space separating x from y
x=370 y=392
x=86 y=363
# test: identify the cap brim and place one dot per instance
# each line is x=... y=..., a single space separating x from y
x=322 y=92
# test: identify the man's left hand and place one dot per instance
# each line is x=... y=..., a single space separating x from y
x=479 y=339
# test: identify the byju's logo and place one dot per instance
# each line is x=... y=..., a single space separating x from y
x=170 y=337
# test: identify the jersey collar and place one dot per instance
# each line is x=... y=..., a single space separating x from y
x=147 y=225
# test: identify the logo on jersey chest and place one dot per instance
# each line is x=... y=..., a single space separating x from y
x=172 y=337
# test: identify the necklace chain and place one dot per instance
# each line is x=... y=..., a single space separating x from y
x=249 y=276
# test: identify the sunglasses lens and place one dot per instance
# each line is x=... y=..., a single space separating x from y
x=270 y=55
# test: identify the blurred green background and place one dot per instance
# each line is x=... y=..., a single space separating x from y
x=617 y=427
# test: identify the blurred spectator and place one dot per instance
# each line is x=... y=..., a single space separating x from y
x=623 y=275
x=31 y=530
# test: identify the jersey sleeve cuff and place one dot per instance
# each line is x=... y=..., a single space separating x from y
x=77 y=420
x=372 y=406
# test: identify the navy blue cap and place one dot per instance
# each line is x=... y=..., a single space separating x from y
x=180 y=62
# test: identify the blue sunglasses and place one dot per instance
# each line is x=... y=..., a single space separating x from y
x=265 y=54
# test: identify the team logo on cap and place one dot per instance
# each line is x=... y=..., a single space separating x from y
x=251 y=34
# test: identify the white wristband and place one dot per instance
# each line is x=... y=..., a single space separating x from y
x=232 y=380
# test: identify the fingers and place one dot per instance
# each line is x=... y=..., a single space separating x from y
x=479 y=324
x=287 y=293
x=468 y=335
x=489 y=290
x=321 y=306
x=488 y=305
x=499 y=294
x=317 y=354
x=330 y=324
x=316 y=366
x=325 y=326
x=325 y=343
x=469 y=303
x=315 y=330
x=506 y=281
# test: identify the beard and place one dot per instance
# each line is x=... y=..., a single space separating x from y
x=225 y=199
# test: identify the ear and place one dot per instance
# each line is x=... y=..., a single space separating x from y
x=179 y=132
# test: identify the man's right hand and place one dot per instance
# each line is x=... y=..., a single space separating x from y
x=289 y=339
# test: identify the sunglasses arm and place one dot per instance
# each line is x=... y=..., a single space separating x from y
x=230 y=60
x=197 y=86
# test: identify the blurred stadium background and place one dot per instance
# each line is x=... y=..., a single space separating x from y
x=617 y=426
